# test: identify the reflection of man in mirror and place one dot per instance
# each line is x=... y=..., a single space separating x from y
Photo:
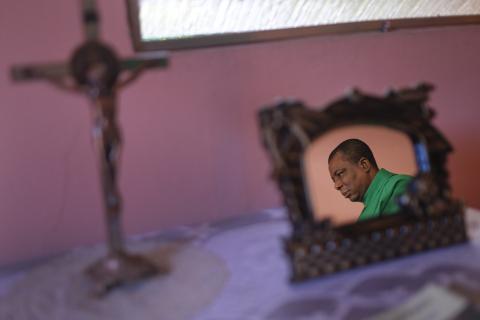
x=356 y=175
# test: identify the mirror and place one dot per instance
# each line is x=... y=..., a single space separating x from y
x=392 y=150
x=313 y=157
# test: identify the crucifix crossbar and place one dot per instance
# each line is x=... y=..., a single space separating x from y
x=95 y=70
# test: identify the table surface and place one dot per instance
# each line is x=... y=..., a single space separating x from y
x=258 y=286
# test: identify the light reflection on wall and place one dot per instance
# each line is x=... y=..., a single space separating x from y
x=173 y=19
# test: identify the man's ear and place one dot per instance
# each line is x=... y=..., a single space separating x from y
x=364 y=164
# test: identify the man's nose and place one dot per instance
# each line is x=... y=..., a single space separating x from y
x=338 y=184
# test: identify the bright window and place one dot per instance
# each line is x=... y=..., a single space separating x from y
x=167 y=20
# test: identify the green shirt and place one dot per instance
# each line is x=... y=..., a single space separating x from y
x=382 y=193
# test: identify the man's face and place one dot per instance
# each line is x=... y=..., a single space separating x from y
x=351 y=179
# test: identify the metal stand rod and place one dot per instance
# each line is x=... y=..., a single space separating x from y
x=107 y=139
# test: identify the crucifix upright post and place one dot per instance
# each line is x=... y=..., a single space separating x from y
x=95 y=70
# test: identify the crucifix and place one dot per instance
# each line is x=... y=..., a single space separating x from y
x=95 y=70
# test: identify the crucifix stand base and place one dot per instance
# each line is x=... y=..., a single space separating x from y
x=121 y=269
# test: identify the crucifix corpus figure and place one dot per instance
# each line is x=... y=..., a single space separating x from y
x=95 y=70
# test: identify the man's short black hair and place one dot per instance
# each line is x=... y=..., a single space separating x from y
x=354 y=150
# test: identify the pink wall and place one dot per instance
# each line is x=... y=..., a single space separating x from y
x=192 y=149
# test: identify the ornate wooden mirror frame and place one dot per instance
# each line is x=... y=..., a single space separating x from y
x=429 y=217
